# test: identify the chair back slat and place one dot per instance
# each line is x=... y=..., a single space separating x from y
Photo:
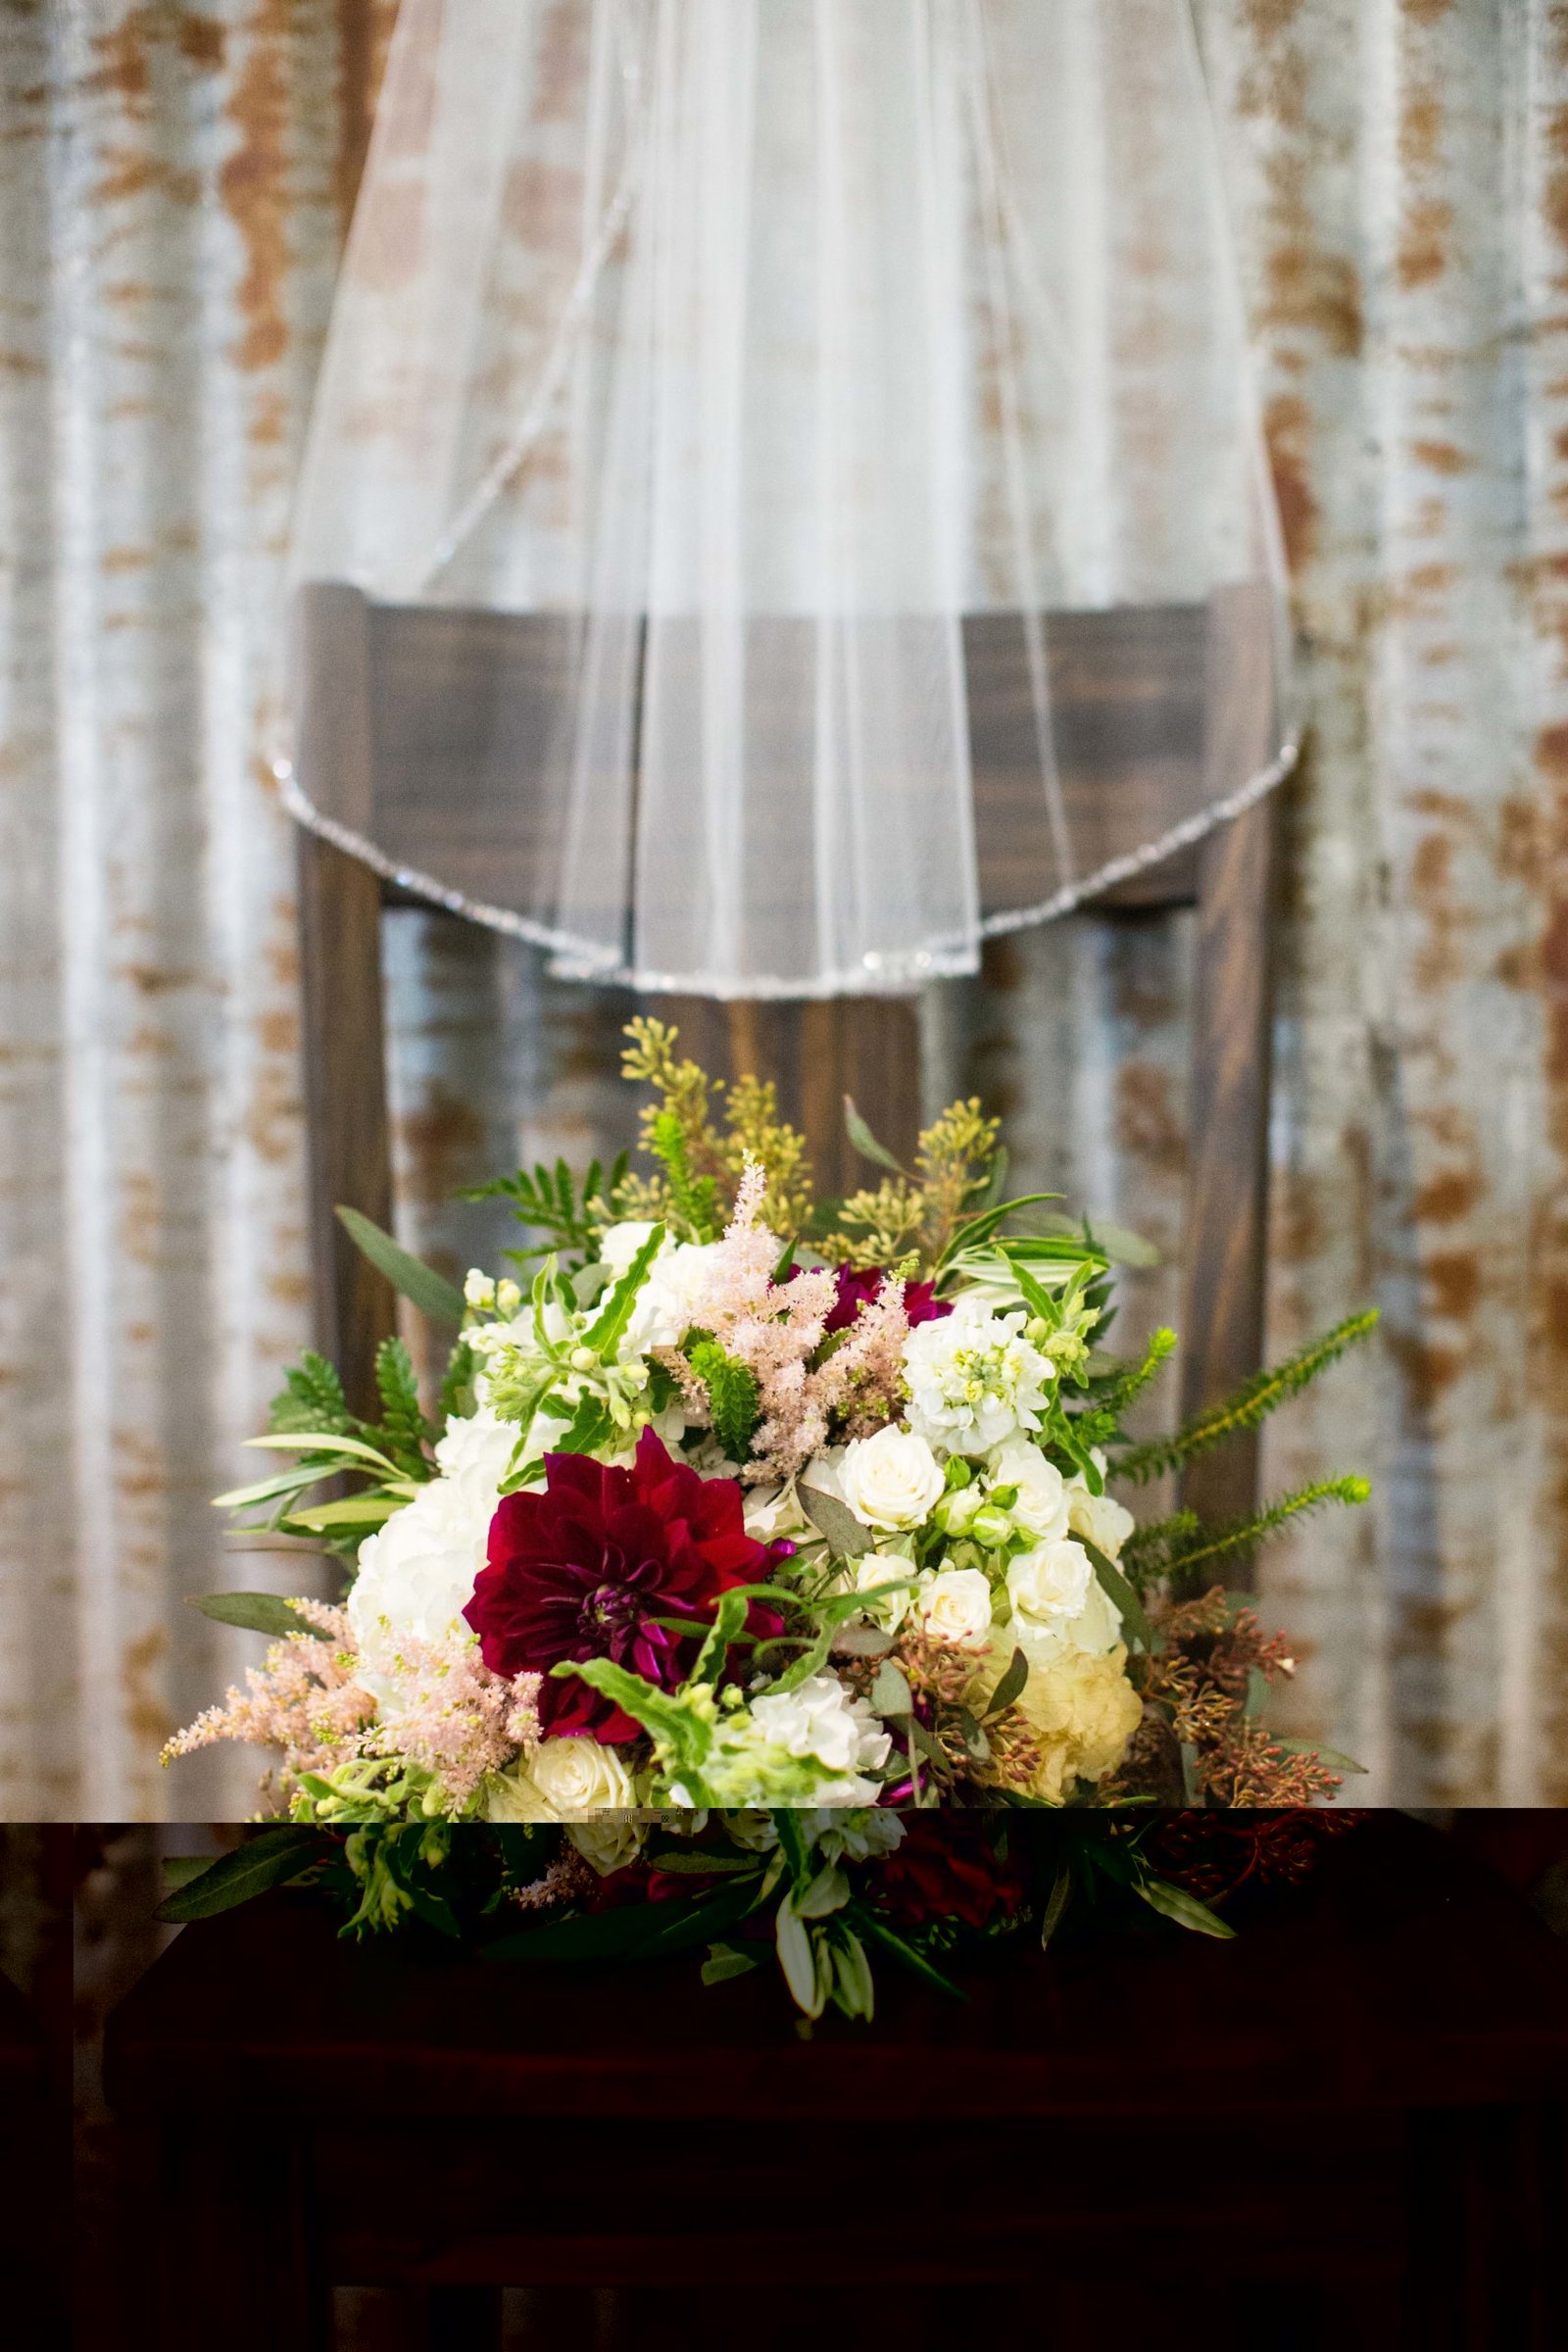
x=420 y=722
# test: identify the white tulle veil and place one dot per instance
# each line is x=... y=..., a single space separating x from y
x=706 y=379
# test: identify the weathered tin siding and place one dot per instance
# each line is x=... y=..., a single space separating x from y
x=172 y=185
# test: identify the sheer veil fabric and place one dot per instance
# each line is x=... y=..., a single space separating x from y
x=714 y=390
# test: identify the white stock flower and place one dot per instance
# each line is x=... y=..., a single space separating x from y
x=1105 y=1522
x=1041 y=1508
x=819 y=1719
x=956 y=1607
x=619 y=1244
x=666 y=1308
x=974 y=1379
x=891 y=1480
x=1049 y=1584
x=474 y=1455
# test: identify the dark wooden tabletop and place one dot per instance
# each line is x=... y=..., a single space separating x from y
x=1404 y=1974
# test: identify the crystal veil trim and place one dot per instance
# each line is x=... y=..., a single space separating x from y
x=577 y=960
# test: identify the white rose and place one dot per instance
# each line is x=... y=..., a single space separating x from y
x=956 y=1607
x=875 y=1569
x=1049 y=1584
x=609 y=1842
x=1040 y=1509
x=974 y=1379
x=891 y=1480
x=1105 y=1521
x=576 y=1775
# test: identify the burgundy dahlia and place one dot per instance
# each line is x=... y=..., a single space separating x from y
x=584 y=1568
x=857 y=1289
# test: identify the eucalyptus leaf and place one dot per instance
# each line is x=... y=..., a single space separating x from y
x=724 y=1961
x=1056 y=1908
x=254 y=1613
x=890 y=1692
x=846 y=1539
x=862 y=1641
x=270 y=1859
x=1010 y=1685
x=1116 y=1588
x=865 y=1142
x=1184 y=1908
x=430 y=1292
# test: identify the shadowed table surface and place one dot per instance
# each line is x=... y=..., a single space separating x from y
x=1376 y=2065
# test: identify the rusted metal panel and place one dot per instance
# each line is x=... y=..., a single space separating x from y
x=174 y=182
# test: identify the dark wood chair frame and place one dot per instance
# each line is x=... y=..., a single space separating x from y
x=1164 y=666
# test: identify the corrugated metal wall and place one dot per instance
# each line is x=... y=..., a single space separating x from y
x=172 y=183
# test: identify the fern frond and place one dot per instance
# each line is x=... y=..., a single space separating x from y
x=312 y=1397
x=1245 y=1406
x=732 y=1395
x=403 y=1427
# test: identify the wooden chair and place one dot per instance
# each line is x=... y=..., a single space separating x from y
x=392 y=692
x=1345 y=2127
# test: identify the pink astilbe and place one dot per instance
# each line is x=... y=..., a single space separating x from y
x=303 y=1698
x=774 y=1329
x=455 y=1717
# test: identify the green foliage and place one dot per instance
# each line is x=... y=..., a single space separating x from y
x=548 y=1200
x=456 y=1382
x=694 y=1197
x=732 y=1395
x=1119 y=1393
x=429 y=1291
x=312 y=1397
x=403 y=1429
x=271 y=1858
x=1178 y=1549
x=1248 y=1405
x=254 y=1613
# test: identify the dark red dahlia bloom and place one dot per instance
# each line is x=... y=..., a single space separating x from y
x=582 y=1569
x=944 y=1869
x=856 y=1289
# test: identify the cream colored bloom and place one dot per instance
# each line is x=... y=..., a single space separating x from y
x=561 y=1778
x=1081 y=1707
x=1105 y=1523
x=891 y=1480
x=974 y=1379
x=1050 y=1584
x=956 y=1607
x=608 y=1840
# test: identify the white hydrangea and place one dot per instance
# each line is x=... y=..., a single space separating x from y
x=418 y=1572
x=974 y=1379
x=665 y=1309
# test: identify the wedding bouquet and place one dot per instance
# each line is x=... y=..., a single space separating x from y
x=740 y=1502
x=826 y=1890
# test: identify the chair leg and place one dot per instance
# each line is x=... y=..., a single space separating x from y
x=238 y=2267
x=464 y=2318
